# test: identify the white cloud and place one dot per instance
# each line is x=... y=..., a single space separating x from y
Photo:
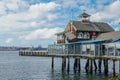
x=117 y=29
x=12 y=6
x=44 y=7
x=41 y=10
x=36 y=15
x=74 y=3
x=33 y=24
x=51 y=17
x=110 y=12
x=45 y=33
x=2 y=8
x=9 y=40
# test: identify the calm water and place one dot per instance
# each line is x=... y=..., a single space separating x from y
x=15 y=67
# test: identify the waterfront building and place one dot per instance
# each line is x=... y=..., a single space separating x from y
x=85 y=37
x=82 y=30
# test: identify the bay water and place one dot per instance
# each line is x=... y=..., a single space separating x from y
x=15 y=67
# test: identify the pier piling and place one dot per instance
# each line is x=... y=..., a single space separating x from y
x=113 y=68
x=79 y=65
x=75 y=65
x=68 y=65
x=91 y=66
x=99 y=65
x=63 y=63
x=106 y=66
x=52 y=62
x=95 y=65
x=87 y=65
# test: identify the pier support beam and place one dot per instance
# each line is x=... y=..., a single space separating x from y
x=63 y=63
x=106 y=66
x=79 y=65
x=75 y=65
x=91 y=66
x=68 y=65
x=87 y=66
x=95 y=65
x=52 y=62
x=113 y=68
x=99 y=65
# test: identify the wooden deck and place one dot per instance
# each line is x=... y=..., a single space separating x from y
x=45 y=54
x=91 y=60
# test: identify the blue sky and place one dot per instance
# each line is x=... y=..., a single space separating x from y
x=34 y=22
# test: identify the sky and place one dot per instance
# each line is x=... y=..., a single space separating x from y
x=27 y=23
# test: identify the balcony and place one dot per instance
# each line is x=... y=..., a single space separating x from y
x=61 y=41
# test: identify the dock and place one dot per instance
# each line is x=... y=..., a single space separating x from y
x=33 y=53
x=91 y=64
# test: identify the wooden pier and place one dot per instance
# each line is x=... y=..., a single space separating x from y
x=33 y=53
x=91 y=64
x=92 y=51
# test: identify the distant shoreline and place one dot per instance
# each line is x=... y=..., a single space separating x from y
x=9 y=50
x=20 y=48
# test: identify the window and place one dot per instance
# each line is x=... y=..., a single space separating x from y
x=84 y=35
x=88 y=35
x=80 y=35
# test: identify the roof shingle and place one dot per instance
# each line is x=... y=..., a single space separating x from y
x=114 y=35
x=92 y=26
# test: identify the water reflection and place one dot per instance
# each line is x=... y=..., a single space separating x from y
x=64 y=75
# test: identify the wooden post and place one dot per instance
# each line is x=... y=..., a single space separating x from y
x=87 y=65
x=52 y=62
x=68 y=66
x=75 y=65
x=99 y=65
x=63 y=63
x=91 y=67
x=79 y=66
x=113 y=68
x=106 y=66
x=95 y=65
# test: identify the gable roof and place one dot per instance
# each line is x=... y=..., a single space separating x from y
x=92 y=26
x=114 y=35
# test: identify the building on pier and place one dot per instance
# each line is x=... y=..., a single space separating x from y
x=87 y=38
x=82 y=30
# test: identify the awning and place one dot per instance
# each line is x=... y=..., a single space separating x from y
x=70 y=36
x=94 y=42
